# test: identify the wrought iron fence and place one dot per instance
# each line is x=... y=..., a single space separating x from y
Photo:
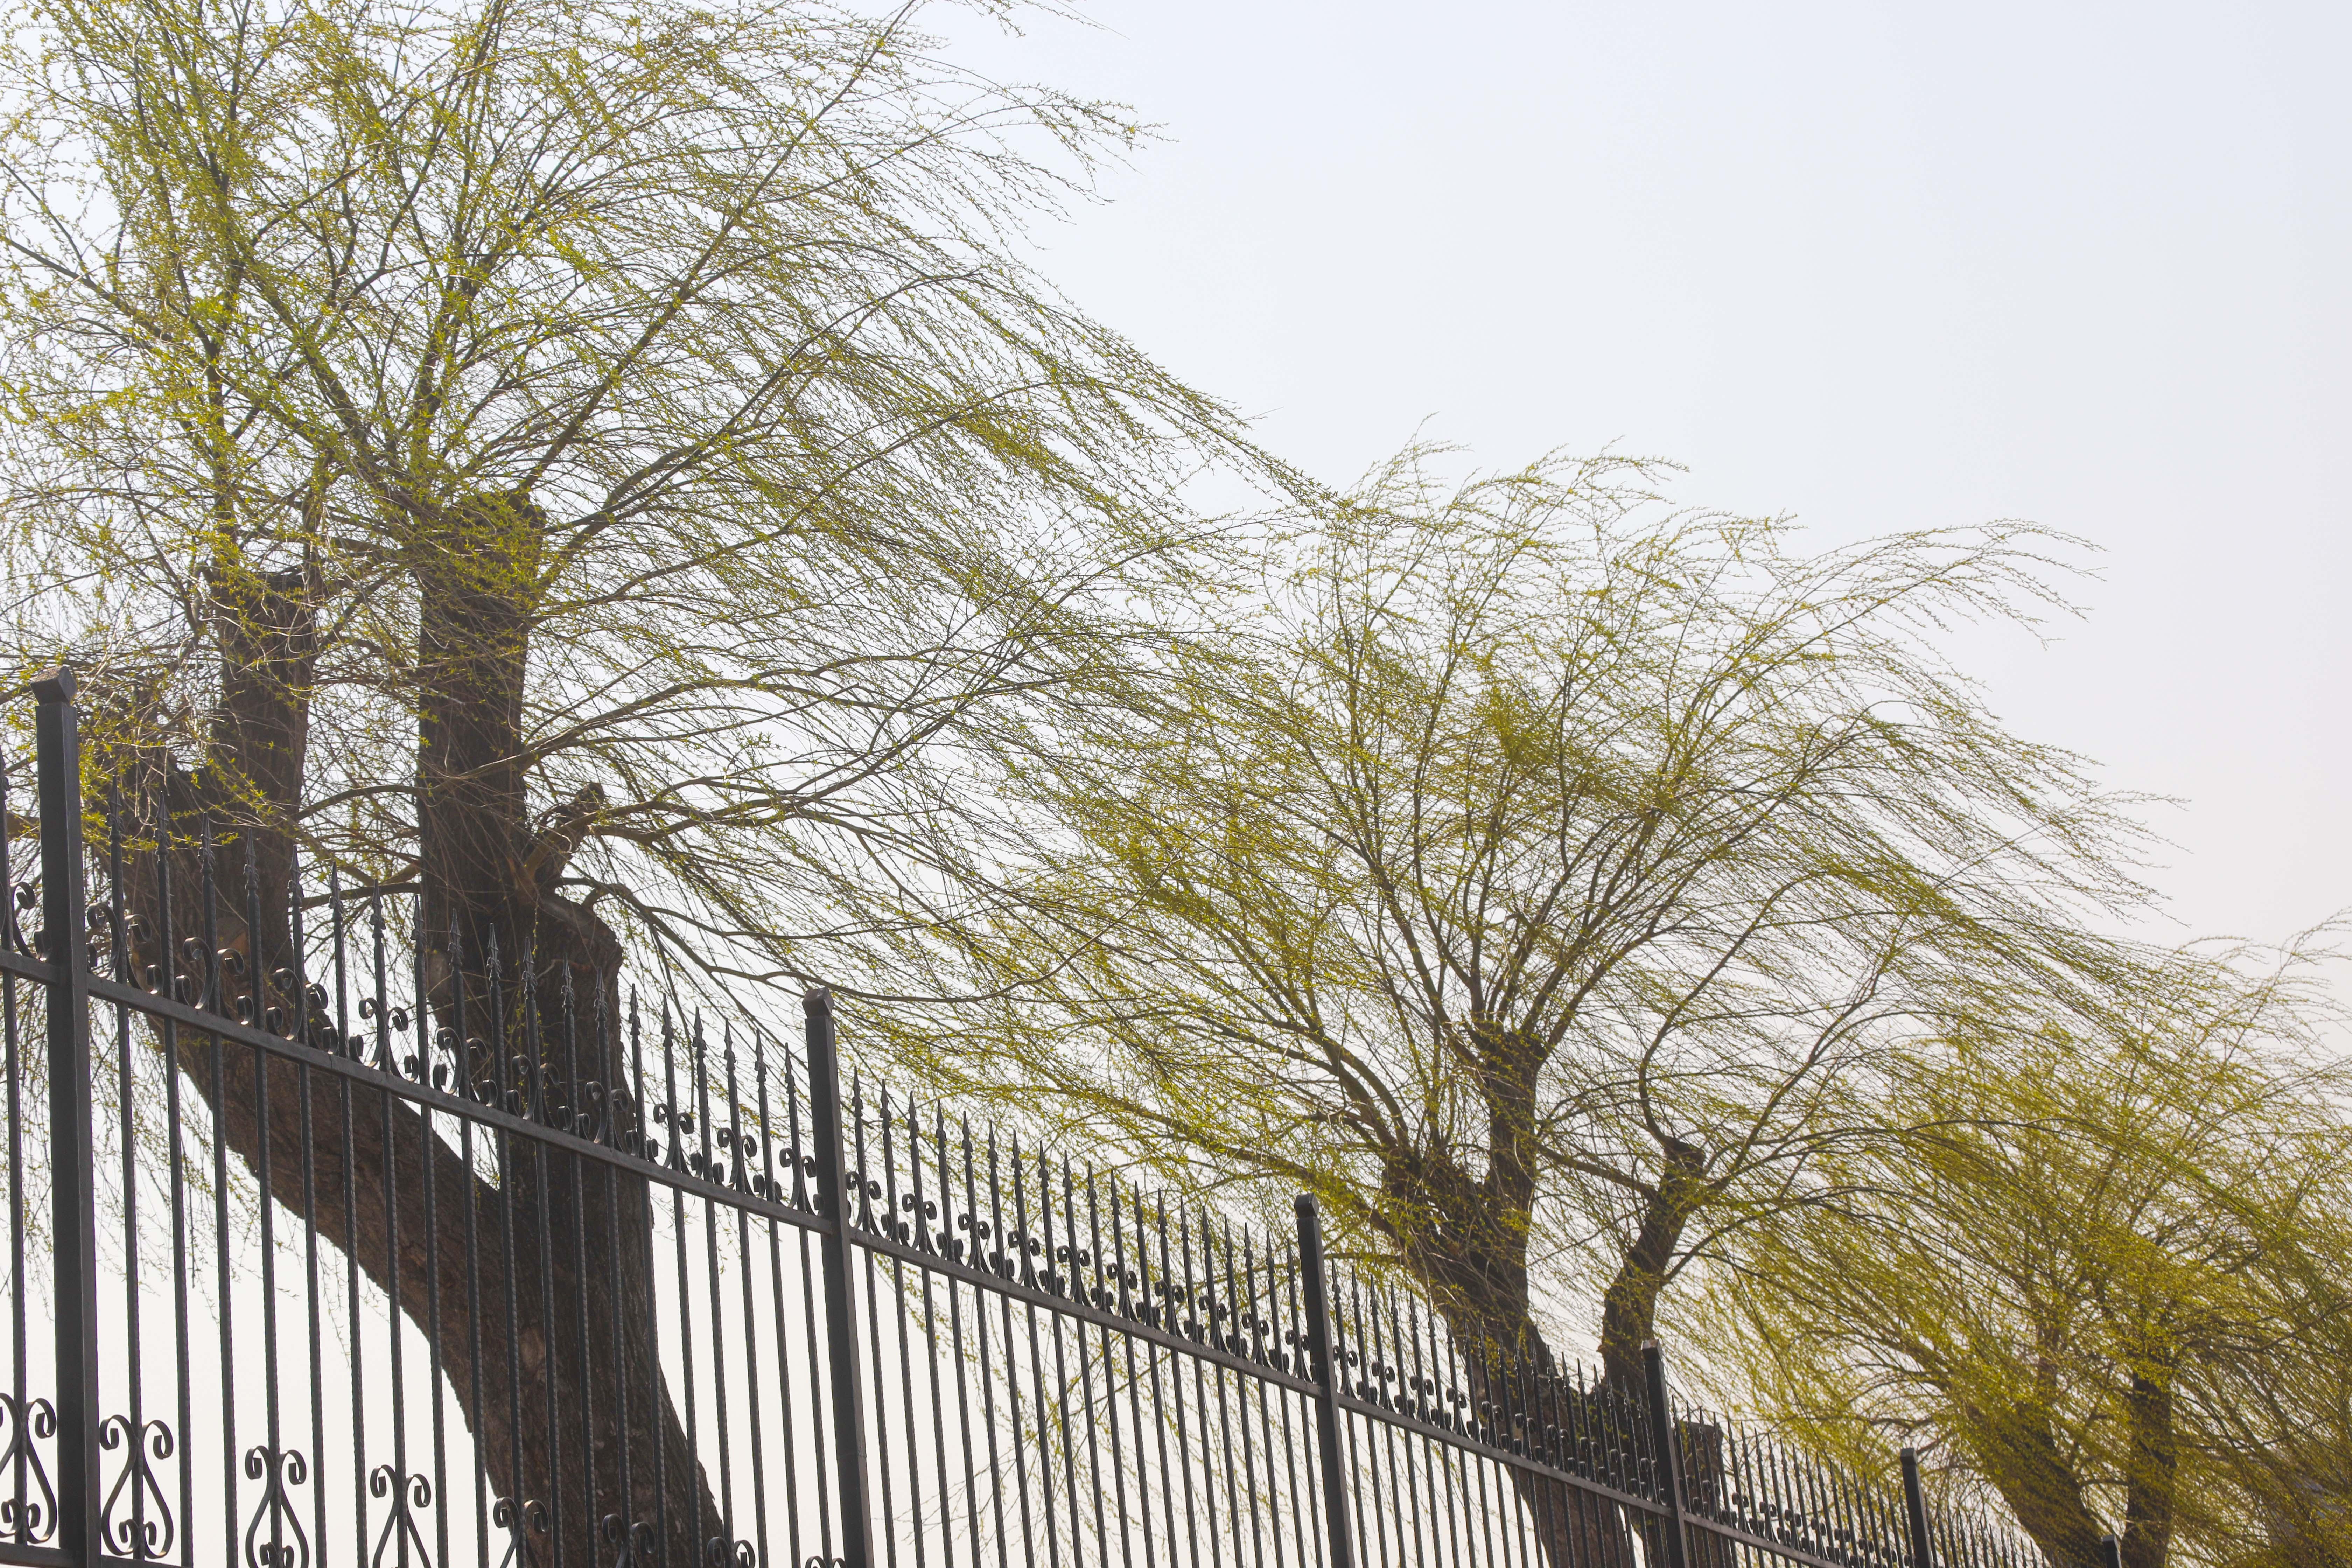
x=328 y=1242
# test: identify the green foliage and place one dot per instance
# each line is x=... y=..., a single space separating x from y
x=803 y=470
x=2095 y=1274
x=1541 y=875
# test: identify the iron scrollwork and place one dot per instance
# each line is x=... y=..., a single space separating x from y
x=25 y=1517
x=721 y=1553
x=406 y=1492
x=519 y=1521
x=136 y=1520
x=639 y=1545
x=276 y=1468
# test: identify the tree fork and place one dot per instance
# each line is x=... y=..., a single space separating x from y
x=583 y=1240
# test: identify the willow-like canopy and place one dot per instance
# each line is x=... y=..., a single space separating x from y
x=1538 y=875
x=593 y=465
x=2097 y=1280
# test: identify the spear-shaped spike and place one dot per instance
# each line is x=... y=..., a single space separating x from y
x=300 y=1020
x=249 y=1007
x=575 y=1110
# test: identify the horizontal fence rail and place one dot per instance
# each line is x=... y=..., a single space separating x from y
x=332 y=1238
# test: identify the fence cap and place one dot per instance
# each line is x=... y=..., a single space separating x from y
x=54 y=685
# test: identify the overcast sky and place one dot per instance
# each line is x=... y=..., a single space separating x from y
x=1877 y=267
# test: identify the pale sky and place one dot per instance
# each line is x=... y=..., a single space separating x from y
x=1878 y=266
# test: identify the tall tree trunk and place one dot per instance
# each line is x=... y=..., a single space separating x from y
x=1628 y=1320
x=1516 y=1387
x=557 y=1370
x=1466 y=1242
x=1629 y=1308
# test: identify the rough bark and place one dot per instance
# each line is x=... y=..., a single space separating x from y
x=530 y=1269
x=1628 y=1320
x=1464 y=1238
x=1629 y=1308
x=1466 y=1241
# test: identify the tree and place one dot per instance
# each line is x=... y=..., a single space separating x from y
x=2093 y=1276
x=591 y=466
x=1536 y=875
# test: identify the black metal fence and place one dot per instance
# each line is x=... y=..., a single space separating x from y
x=327 y=1243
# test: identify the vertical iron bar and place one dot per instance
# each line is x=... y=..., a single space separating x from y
x=1008 y=1268
x=1353 y=1338
x=621 y=1521
x=125 y=1092
x=741 y=1180
x=1327 y=1382
x=804 y=1169
x=1292 y=1358
x=21 y=1464
x=1100 y=1293
x=981 y=1236
x=1134 y=1302
x=1915 y=1509
x=681 y=1126
x=954 y=1250
x=921 y=1211
x=1668 y=1455
x=169 y=978
x=872 y=1271
x=1025 y=1274
x=840 y=1324
x=2111 y=1551
x=776 y=1293
x=502 y=1157
x=303 y=1032
x=73 y=1212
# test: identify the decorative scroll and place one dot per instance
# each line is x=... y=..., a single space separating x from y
x=520 y=1522
x=640 y=1547
x=406 y=1492
x=721 y=1553
x=29 y=1513
x=276 y=1468
x=136 y=1519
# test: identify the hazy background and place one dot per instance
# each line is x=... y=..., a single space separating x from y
x=1878 y=266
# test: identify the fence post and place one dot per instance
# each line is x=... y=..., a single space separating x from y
x=1915 y=1509
x=73 y=1200
x=1669 y=1450
x=2111 y=1551
x=1327 y=1382
x=835 y=1205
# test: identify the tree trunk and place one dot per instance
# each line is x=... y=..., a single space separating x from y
x=1629 y=1308
x=1628 y=1320
x=2013 y=1447
x=1526 y=1404
x=1468 y=1251
x=531 y=1271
